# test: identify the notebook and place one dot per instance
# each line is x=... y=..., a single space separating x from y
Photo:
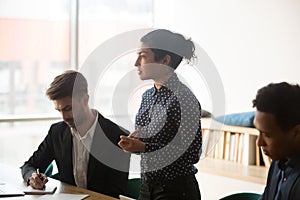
x=49 y=189
x=63 y=196
x=8 y=190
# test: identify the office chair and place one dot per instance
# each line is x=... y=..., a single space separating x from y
x=49 y=170
x=242 y=196
x=133 y=187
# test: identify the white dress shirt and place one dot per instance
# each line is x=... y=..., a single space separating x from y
x=81 y=149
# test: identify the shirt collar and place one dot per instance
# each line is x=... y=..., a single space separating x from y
x=173 y=82
x=90 y=132
x=170 y=85
x=282 y=164
x=294 y=161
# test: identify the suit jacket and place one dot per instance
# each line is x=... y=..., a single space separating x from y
x=291 y=187
x=108 y=165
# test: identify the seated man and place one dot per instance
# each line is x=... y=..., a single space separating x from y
x=84 y=145
x=278 y=120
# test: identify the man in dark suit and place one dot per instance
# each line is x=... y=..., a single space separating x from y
x=84 y=145
x=278 y=120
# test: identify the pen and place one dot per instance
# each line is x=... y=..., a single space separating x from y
x=39 y=174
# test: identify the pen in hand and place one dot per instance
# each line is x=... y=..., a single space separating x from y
x=38 y=180
x=40 y=176
x=38 y=172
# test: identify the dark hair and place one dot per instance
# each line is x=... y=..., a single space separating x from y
x=282 y=100
x=164 y=42
x=66 y=85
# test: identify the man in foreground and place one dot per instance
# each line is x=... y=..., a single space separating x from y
x=83 y=145
x=278 y=120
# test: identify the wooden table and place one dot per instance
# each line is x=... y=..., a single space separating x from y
x=12 y=175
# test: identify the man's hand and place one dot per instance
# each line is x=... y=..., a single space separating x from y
x=38 y=181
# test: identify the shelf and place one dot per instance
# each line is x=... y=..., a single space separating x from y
x=231 y=151
x=208 y=123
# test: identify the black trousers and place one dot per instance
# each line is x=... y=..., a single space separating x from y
x=182 y=188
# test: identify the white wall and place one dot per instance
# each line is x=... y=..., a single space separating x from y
x=252 y=43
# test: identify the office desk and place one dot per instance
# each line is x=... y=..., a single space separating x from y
x=13 y=176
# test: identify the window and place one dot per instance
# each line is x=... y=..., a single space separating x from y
x=35 y=35
x=38 y=38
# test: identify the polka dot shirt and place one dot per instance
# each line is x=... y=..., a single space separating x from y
x=169 y=123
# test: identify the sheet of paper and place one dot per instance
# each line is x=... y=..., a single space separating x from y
x=49 y=189
x=8 y=190
x=122 y=197
x=64 y=196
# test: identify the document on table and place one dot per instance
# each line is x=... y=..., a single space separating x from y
x=63 y=196
x=49 y=189
x=122 y=197
x=8 y=190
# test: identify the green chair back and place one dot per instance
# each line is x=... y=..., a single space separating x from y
x=49 y=170
x=133 y=187
x=242 y=196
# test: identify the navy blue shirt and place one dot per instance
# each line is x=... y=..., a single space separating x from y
x=290 y=183
x=169 y=123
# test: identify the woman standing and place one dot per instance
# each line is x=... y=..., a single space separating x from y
x=168 y=128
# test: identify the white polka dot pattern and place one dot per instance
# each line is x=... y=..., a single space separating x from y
x=169 y=122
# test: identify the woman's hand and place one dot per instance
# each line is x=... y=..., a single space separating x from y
x=132 y=143
x=135 y=134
